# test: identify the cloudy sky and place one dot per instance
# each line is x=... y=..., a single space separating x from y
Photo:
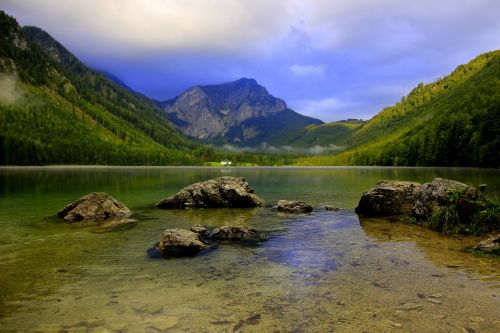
x=330 y=59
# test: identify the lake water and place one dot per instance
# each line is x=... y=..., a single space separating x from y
x=323 y=272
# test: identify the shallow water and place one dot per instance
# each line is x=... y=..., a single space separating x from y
x=323 y=272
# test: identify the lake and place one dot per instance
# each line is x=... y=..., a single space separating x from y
x=323 y=272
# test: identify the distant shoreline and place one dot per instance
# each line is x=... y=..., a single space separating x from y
x=72 y=166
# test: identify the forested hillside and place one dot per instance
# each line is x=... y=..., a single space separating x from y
x=451 y=122
x=334 y=134
x=55 y=110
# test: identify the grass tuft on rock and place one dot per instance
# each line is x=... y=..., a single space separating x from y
x=466 y=215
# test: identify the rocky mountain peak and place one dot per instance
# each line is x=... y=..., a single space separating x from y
x=208 y=111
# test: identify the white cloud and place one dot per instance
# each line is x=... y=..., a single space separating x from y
x=139 y=26
x=326 y=109
x=135 y=27
x=397 y=24
x=307 y=70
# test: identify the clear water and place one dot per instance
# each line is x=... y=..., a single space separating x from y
x=324 y=272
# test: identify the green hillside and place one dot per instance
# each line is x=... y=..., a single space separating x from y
x=336 y=134
x=55 y=110
x=451 y=122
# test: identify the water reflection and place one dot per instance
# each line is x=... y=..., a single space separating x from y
x=212 y=217
x=445 y=251
x=311 y=243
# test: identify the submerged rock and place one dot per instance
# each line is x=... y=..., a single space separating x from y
x=233 y=233
x=180 y=242
x=436 y=194
x=389 y=198
x=199 y=229
x=219 y=192
x=489 y=245
x=293 y=206
x=332 y=208
x=94 y=206
x=114 y=225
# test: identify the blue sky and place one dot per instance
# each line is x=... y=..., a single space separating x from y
x=327 y=59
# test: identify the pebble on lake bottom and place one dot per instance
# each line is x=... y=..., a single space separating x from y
x=411 y=306
x=163 y=323
x=439 y=316
x=476 y=319
x=394 y=324
x=435 y=301
x=100 y=329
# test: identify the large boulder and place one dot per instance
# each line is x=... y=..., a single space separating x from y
x=436 y=194
x=389 y=198
x=179 y=243
x=293 y=207
x=94 y=206
x=219 y=192
x=233 y=233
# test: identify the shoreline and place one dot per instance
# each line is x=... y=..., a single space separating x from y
x=97 y=166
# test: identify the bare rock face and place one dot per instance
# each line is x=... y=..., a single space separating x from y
x=180 y=242
x=94 y=206
x=233 y=233
x=436 y=194
x=389 y=198
x=206 y=111
x=489 y=245
x=219 y=192
x=294 y=207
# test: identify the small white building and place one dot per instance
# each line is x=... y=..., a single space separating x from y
x=225 y=162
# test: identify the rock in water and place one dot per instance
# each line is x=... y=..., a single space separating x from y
x=233 y=233
x=294 y=207
x=389 y=198
x=179 y=243
x=436 y=194
x=219 y=192
x=199 y=229
x=94 y=206
x=489 y=245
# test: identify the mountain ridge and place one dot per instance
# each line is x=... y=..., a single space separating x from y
x=232 y=112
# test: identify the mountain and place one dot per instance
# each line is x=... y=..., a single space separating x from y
x=241 y=112
x=55 y=110
x=451 y=122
